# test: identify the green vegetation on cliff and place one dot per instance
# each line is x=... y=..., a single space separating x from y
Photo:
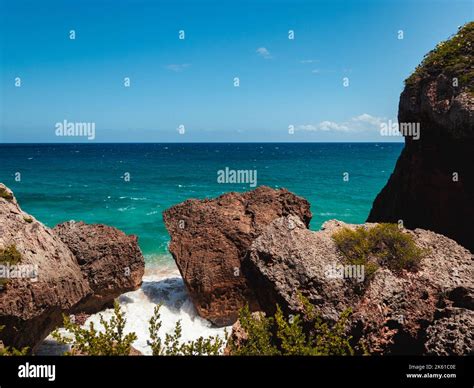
x=172 y=345
x=453 y=57
x=4 y=193
x=9 y=255
x=112 y=340
x=384 y=244
x=303 y=335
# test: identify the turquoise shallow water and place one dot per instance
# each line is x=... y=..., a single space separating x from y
x=85 y=181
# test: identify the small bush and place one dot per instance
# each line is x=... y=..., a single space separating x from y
x=29 y=220
x=302 y=335
x=384 y=244
x=113 y=342
x=89 y=341
x=172 y=346
x=397 y=250
x=260 y=337
x=8 y=256
x=4 y=193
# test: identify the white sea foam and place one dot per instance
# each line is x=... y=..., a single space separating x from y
x=163 y=285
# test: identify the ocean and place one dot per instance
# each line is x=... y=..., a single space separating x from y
x=129 y=185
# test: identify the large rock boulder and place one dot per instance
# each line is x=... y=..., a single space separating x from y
x=393 y=313
x=110 y=260
x=432 y=186
x=74 y=268
x=30 y=308
x=210 y=238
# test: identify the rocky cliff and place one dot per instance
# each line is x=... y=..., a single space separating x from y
x=427 y=311
x=432 y=186
x=209 y=239
x=256 y=248
x=74 y=268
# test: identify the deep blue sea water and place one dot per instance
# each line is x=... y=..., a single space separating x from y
x=86 y=181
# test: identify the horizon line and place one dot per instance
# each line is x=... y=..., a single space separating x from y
x=210 y=142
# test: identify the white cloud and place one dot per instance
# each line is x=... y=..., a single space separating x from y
x=332 y=126
x=315 y=71
x=264 y=53
x=363 y=122
x=307 y=127
x=178 y=67
x=365 y=118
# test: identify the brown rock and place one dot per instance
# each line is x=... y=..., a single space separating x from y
x=209 y=239
x=80 y=318
x=391 y=311
x=30 y=309
x=110 y=260
x=432 y=186
x=80 y=268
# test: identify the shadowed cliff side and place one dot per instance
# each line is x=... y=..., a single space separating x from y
x=432 y=186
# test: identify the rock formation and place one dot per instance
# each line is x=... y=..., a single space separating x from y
x=29 y=310
x=255 y=247
x=432 y=186
x=209 y=239
x=426 y=311
x=111 y=261
x=31 y=307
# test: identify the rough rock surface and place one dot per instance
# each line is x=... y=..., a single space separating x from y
x=432 y=186
x=111 y=261
x=453 y=334
x=66 y=283
x=29 y=310
x=209 y=239
x=394 y=313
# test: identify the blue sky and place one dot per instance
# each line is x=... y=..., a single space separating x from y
x=190 y=82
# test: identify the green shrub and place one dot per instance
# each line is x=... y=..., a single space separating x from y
x=303 y=335
x=29 y=220
x=112 y=341
x=4 y=193
x=8 y=351
x=89 y=341
x=384 y=244
x=172 y=346
x=454 y=57
x=260 y=337
x=8 y=256
x=394 y=248
x=278 y=335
